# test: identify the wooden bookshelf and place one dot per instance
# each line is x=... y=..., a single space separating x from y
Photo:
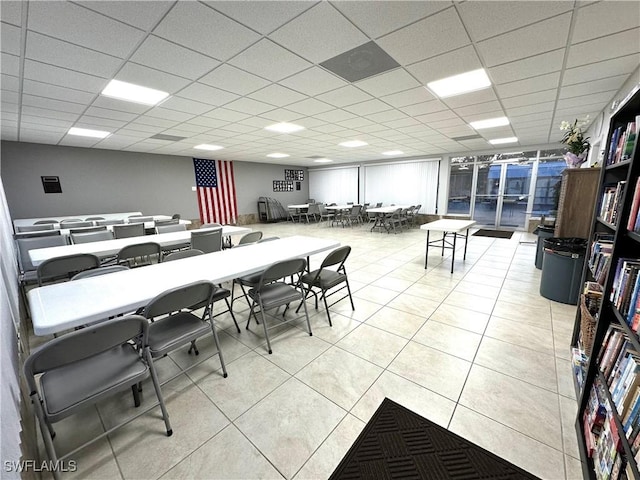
x=616 y=186
x=577 y=200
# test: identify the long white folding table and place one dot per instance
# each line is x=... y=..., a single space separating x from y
x=107 y=248
x=62 y=306
x=21 y=222
x=380 y=212
x=448 y=227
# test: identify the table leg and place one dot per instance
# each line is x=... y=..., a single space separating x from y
x=444 y=239
x=453 y=255
x=426 y=255
x=466 y=239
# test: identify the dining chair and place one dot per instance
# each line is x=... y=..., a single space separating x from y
x=208 y=240
x=93 y=218
x=174 y=227
x=272 y=292
x=248 y=281
x=110 y=222
x=248 y=238
x=140 y=218
x=88 y=237
x=100 y=228
x=162 y=223
x=175 y=323
x=44 y=222
x=34 y=228
x=65 y=267
x=79 y=224
x=81 y=368
x=331 y=274
x=140 y=254
x=39 y=233
x=96 y=272
x=129 y=230
x=71 y=220
x=210 y=225
x=180 y=254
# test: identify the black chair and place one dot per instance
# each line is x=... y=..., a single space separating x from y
x=96 y=272
x=129 y=230
x=34 y=228
x=44 y=222
x=99 y=228
x=180 y=254
x=140 y=254
x=327 y=278
x=63 y=268
x=88 y=237
x=84 y=367
x=208 y=240
x=271 y=292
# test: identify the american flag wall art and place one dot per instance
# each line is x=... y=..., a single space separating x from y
x=216 y=189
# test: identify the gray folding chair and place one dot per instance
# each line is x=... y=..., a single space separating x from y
x=100 y=228
x=44 y=222
x=208 y=240
x=88 y=237
x=171 y=228
x=210 y=225
x=129 y=230
x=34 y=228
x=40 y=233
x=79 y=224
x=140 y=218
x=63 y=268
x=251 y=237
x=271 y=292
x=84 y=367
x=191 y=252
x=93 y=218
x=327 y=277
x=110 y=222
x=174 y=323
x=140 y=254
x=71 y=220
x=96 y=272
x=162 y=223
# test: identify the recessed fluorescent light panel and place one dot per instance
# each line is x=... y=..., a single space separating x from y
x=284 y=127
x=134 y=93
x=500 y=141
x=353 y=143
x=85 y=132
x=278 y=155
x=323 y=160
x=205 y=146
x=490 y=123
x=393 y=152
x=459 y=84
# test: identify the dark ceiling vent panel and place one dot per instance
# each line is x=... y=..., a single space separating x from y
x=361 y=62
x=466 y=137
x=168 y=138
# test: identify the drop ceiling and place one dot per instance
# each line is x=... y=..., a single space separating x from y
x=235 y=67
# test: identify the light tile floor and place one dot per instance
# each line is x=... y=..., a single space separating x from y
x=477 y=351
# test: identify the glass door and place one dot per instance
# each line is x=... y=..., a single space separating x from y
x=515 y=195
x=487 y=191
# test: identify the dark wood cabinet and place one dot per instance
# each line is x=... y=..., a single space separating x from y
x=578 y=195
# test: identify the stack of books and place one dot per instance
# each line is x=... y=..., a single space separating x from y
x=611 y=202
x=600 y=257
x=633 y=224
x=623 y=141
x=625 y=291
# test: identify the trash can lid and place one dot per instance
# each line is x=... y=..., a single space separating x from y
x=568 y=245
x=544 y=229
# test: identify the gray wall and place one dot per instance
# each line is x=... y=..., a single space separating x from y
x=105 y=181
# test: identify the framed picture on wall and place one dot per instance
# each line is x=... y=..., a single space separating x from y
x=282 y=186
x=295 y=175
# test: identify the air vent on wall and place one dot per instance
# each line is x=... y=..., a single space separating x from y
x=168 y=138
x=361 y=62
x=466 y=137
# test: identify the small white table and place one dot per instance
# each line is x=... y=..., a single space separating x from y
x=67 y=305
x=448 y=227
x=107 y=248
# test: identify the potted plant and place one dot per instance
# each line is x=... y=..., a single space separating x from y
x=577 y=145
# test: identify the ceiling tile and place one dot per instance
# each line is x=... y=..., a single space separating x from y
x=528 y=85
x=204 y=30
x=471 y=98
x=529 y=109
x=171 y=116
x=138 y=13
x=430 y=37
x=148 y=77
x=10 y=63
x=249 y=106
x=530 y=99
x=187 y=106
x=478 y=108
x=112 y=114
x=10 y=83
x=605 y=18
x=234 y=80
x=602 y=99
x=387 y=83
x=38 y=136
x=303 y=36
x=162 y=55
x=11 y=12
x=281 y=115
x=226 y=115
x=347 y=95
x=52 y=104
x=606 y=68
x=48 y=121
x=387 y=115
x=269 y=60
x=62 y=77
x=119 y=105
x=10 y=39
x=356 y=123
x=625 y=43
x=63 y=54
x=487 y=19
x=10 y=97
x=59 y=93
x=550 y=35
x=264 y=17
x=595 y=86
x=277 y=95
x=310 y=106
x=387 y=16
x=368 y=107
x=38 y=111
x=313 y=81
x=528 y=67
x=424 y=108
x=95 y=123
x=75 y=24
x=206 y=94
x=408 y=97
x=333 y=116
x=442 y=66
x=402 y=122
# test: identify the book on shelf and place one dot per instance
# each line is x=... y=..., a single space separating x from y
x=623 y=141
x=625 y=287
x=611 y=202
x=635 y=208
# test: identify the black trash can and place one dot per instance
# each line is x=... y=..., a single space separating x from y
x=562 y=263
x=543 y=232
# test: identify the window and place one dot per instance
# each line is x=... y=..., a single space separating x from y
x=334 y=185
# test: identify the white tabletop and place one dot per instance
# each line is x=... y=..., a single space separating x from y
x=448 y=225
x=107 y=216
x=111 y=247
x=70 y=304
x=297 y=207
x=341 y=207
x=389 y=209
x=67 y=231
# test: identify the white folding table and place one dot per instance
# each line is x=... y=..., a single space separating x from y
x=107 y=248
x=381 y=212
x=21 y=222
x=62 y=306
x=447 y=227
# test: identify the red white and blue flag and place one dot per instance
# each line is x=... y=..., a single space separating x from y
x=216 y=190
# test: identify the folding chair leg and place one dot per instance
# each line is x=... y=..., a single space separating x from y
x=156 y=386
x=232 y=315
x=136 y=395
x=215 y=338
x=194 y=348
x=350 y=297
x=264 y=325
x=306 y=315
x=327 y=308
